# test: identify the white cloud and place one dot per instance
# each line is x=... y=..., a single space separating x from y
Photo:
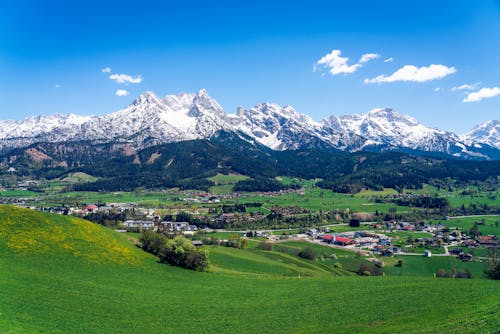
x=388 y=60
x=121 y=92
x=336 y=64
x=437 y=89
x=483 y=93
x=465 y=87
x=415 y=74
x=106 y=70
x=57 y=86
x=367 y=57
x=125 y=78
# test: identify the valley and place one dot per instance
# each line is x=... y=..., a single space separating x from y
x=259 y=167
x=61 y=288
x=92 y=237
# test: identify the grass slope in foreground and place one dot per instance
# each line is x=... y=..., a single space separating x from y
x=65 y=275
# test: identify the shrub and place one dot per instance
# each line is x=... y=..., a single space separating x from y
x=307 y=253
x=152 y=242
x=494 y=272
x=442 y=273
x=369 y=268
x=267 y=246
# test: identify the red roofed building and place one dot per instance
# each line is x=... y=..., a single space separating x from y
x=489 y=240
x=327 y=238
x=91 y=208
x=343 y=241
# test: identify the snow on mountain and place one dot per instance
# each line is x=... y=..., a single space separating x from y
x=386 y=127
x=487 y=133
x=36 y=125
x=148 y=121
x=151 y=120
x=276 y=127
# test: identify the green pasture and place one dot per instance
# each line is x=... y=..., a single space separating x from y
x=491 y=224
x=414 y=265
x=317 y=199
x=64 y=275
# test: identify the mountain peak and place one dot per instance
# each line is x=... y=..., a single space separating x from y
x=202 y=92
x=147 y=97
x=391 y=116
x=487 y=132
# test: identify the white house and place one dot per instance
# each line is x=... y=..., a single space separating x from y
x=143 y=224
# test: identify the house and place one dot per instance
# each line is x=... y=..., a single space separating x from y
x=343 y=241
x=312 y=232
x=427 y=253
x=386 y=252
x=469 y=243
x=91 y=208
x=175 y=226
x=385 y=242
x=366 y=241
x=487 y=240
x=142 y=224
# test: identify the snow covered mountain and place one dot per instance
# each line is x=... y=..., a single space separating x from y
x=487 y=133
x=148 y=121
x=387 y=128
x=36 y=125
x=151 y=120
x=279 y=128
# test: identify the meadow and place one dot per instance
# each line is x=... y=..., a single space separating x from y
x=488 y=224
x=60 y=289
x=313 y=198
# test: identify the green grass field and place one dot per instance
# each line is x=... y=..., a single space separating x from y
x=18 y=193
x=491 y=224
x=317 y=199
x=65 y=275
x=224 y=183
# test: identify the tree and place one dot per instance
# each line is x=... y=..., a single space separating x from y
x=493 y=271
x=181 y=252
x=354 y=222
x=474 y=232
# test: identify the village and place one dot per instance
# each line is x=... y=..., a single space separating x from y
x=380 y=238
x=383 y=237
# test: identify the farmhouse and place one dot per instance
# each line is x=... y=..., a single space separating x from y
x=343 y=241
x=487 y=240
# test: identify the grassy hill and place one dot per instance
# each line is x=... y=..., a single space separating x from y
x=64 y=275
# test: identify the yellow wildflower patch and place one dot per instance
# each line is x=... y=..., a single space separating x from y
x=30 y=232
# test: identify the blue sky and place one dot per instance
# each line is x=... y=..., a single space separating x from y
x=52 y=54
